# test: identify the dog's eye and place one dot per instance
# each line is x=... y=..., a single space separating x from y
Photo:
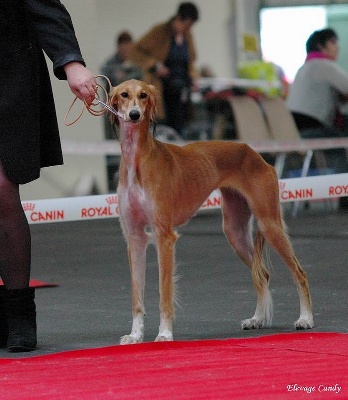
x=143 y=95
x=124 y=95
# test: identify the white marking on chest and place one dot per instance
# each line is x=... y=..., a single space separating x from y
x=137 y=210
x=134 y=195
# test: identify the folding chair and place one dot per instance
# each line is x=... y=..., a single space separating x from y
x=283 y=128
x=250 y=122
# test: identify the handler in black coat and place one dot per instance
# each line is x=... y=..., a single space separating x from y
x=29 y=140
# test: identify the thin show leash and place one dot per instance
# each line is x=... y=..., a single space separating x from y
x=96 y=102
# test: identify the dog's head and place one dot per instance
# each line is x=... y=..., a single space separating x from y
x=135 y=100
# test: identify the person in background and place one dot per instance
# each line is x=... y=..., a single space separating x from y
x=167 y=54
x=284 y=91
x=29 y=140
x=118 y=68
x=316 y=94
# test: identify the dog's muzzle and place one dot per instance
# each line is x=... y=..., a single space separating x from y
x=135 y=114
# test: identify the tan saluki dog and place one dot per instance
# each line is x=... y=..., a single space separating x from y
x=161 y=186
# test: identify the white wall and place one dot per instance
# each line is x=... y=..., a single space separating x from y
x=247 y=22
x=212 y=31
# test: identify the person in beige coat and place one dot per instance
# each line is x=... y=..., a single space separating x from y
x=167 y=54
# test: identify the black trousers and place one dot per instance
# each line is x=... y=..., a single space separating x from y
x=177 y=106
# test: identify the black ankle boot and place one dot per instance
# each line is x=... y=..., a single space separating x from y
x=3 y=321
x=21 y=318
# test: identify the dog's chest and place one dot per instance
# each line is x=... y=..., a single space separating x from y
x=135 y=206
x=135 y=202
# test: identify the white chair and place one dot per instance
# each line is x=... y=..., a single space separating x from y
x=283 y=128
x=249 y=120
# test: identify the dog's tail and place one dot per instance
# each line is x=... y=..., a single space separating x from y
x=261 y=277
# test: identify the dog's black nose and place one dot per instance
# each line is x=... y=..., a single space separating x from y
x=134 y=115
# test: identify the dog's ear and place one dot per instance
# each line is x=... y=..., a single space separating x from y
x=153 y=95
x=113 y=102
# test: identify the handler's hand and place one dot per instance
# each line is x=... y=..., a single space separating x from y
x=161 y=70
x=81 y=81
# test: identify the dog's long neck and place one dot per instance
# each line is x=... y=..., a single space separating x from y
x=136 y=141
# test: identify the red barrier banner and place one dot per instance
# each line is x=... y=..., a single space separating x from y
x=106 y=205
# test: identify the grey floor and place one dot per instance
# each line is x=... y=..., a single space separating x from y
x=91 y=307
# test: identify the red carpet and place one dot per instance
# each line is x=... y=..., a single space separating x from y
x=283 y=366
x=35 y=283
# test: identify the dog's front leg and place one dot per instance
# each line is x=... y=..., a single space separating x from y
x=137 y=245
x=165 y=251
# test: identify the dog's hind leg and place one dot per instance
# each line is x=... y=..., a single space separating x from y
x=267 y=211
x=137 y=244
x=165 y=253
x=237 y=225
x=276 y=236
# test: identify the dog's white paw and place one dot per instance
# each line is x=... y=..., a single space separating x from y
x=252 y=323
x=130 y=339
x=304 y=323
x=164 y=338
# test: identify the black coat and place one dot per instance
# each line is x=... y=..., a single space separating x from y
x=29 y=137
